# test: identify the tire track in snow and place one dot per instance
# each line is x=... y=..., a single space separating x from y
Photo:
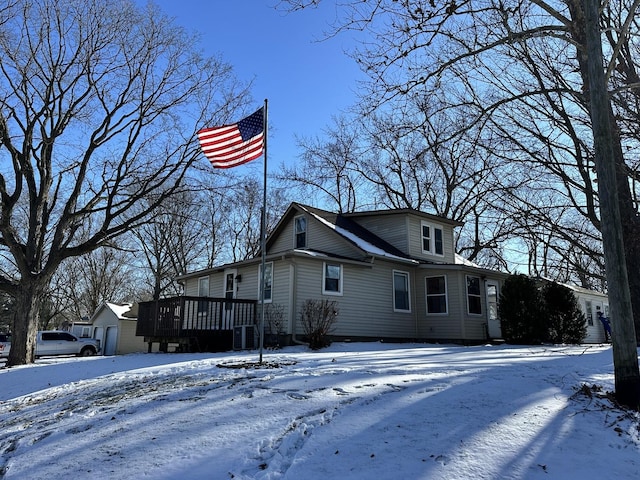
x=277 y=454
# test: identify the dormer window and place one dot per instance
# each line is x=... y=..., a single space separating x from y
x=300 y=232
x=432 y=243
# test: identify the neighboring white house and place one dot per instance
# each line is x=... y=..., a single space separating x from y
x=592 y=302
x=115 y=326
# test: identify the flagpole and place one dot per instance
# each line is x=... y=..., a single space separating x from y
x=263 y=227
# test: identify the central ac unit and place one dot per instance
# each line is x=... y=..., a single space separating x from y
x=244 y=337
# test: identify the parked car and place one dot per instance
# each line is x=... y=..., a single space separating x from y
x=5 y=344
x=53 y=342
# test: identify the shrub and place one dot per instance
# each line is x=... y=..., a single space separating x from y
x=274 y=324
x=521 y=312
x=318 y=318
x=565 y=321
x=533 y=312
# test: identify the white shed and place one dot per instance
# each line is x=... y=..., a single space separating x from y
x=115 y=326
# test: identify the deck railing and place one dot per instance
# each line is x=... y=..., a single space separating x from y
x=181 y=317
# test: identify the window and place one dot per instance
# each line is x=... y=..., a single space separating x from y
x=401 y=292
x=203 y=287
x=432 y=242
x=437 y=295
x=268 y=281
x=589 y=307
x=332 y=279
x=300 y=232
x=229 y=289
x=474 y=304
x=203 y=291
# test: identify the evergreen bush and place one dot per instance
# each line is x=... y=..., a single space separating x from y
x=533 y=312
x=521 y=311
x=565 y=321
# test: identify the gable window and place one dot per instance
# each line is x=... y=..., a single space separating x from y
x=332 y=279
x=300 y=228
x=432 y=242
x=401 y=292
x=268 y=282
x=437 y=295
x=474 y=304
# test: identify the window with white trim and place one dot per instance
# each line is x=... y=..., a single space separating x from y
x=332 y=279
x=401 y=301
x=300 y=232
x=474 y=301
x=268 y=282
x=437 y=295
x=432 y=239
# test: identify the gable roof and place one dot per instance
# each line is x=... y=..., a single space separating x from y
x=405 y=211
x=121 y=312
x=356 y=234
x=349 y=229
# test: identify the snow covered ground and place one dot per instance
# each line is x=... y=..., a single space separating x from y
x=352 y=411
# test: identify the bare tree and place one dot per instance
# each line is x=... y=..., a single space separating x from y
x=83 y=283
x=330 y=166
x=241 y=228
x=99 y=104
x=171 y=242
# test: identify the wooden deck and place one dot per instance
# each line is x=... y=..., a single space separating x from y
x=194 y=323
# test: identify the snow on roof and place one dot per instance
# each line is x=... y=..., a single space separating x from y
x=311 y=253
x=578 y=289
x=460 y=260
x=119 y=310
x=359 y=242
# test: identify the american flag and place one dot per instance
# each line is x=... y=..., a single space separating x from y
x=231 y=145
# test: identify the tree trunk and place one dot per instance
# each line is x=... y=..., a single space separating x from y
x=628 y=214
x=625 y=353
x=630 y=228
x=25 y=322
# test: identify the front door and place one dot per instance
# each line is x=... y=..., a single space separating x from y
x=493 y=322
x=229 y=292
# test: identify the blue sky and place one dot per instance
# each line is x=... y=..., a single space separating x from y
x=306 y=81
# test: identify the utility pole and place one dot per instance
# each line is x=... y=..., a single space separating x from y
x=625 y=352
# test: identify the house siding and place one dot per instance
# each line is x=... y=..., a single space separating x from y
x=127 y=340
x=391 y=228
x=363 y=311
x=215 y=285
x=447 y=326
x=284 y=242
x=595 y=332
x=457 y=324
x=319 y=237
x=282 y=291
x=248 y=287
x=415 y=240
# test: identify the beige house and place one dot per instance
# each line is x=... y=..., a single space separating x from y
x=394 y=274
